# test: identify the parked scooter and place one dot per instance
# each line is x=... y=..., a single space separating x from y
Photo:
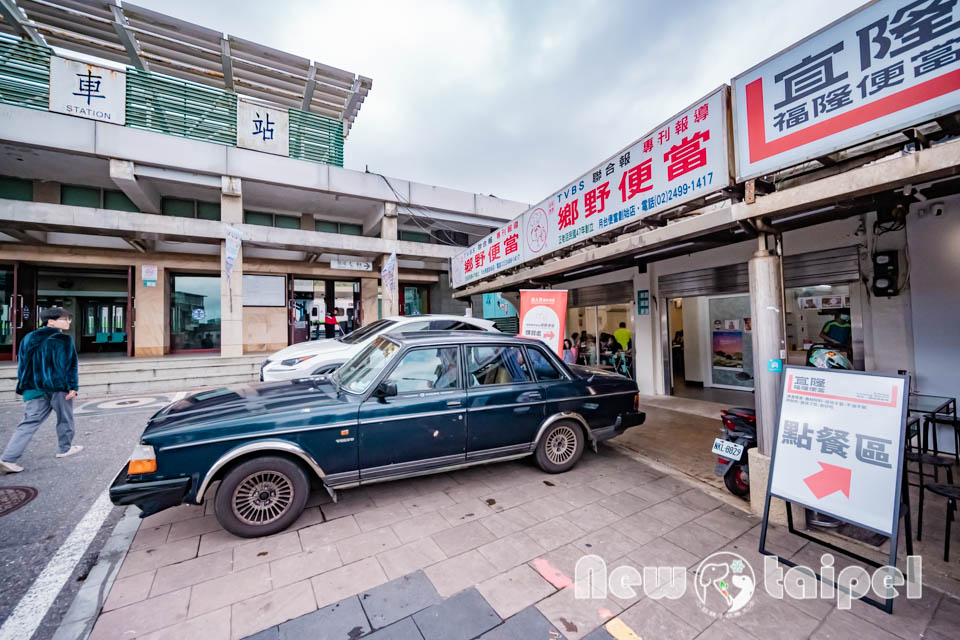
x=739 y=435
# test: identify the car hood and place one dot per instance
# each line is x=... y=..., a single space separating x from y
x=226 y=403
x=311 y=348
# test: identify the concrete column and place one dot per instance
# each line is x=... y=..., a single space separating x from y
x=766 y=302
x=388 y=231
x=368 y=299
x=231 y=288
x=152 y=314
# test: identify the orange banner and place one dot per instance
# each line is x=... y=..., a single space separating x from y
x=543 y=315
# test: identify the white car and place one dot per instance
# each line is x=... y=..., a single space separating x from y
x=317 y=357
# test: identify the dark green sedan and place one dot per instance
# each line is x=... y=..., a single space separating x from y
x=407 y=405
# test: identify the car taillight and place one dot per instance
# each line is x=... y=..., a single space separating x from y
x=142 y=460
x=636 y=402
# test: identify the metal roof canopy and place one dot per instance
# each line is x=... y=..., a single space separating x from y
x=153 y=41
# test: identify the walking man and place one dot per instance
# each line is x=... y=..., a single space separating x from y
x=47 y=378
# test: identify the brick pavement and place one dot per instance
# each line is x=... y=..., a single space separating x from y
x=481 y=553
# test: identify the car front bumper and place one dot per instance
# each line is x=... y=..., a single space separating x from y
x=624 y=422
x=150 y=496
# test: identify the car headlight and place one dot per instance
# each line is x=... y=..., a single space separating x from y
x=289 y=362
x=142 y=460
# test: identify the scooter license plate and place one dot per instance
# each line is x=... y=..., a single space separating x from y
x=727 y=449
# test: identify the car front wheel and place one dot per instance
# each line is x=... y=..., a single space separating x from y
x=261 y=496
x=560 y=446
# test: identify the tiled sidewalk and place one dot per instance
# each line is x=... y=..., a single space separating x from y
x=481 y=551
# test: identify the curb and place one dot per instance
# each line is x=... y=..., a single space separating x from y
x=78 y=622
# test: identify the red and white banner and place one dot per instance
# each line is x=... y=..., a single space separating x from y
x=683 y=158
x=543 y=315
x=883 y=68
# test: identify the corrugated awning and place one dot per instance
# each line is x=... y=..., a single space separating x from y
x=153 y=41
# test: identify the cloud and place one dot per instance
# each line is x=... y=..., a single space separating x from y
x=515 y=98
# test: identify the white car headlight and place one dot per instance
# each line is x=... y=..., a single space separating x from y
x=289 y=362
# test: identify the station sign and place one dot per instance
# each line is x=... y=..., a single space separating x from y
x=263 y=128
x=683 y=158
x=87 y=91
x=881 y=69
x=839 y=445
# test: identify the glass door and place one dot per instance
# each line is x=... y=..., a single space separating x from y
x=6 y=313
x=23 y=318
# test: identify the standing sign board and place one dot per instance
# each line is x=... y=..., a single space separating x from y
x=543 y=316
x=88 y=91
x=263 y=128
x=682 y=159
x=839 y=445
x=883 y=68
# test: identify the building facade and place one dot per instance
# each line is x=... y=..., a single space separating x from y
x=180 y=202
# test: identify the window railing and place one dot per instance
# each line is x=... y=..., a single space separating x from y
x=157 y=102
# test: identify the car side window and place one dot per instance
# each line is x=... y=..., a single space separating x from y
x=443 y=325
x=496 y=365
x=433 y=369
x=423 y=325
x=542 y=367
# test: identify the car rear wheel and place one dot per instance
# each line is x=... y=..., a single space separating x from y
x=560 y=446
x=261 y=496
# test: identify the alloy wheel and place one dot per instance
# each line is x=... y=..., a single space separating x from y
x=262 y=497
x=561 y=445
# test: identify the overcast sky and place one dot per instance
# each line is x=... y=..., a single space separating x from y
x=515 y=98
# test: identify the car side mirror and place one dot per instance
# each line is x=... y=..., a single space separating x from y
x=385 y=390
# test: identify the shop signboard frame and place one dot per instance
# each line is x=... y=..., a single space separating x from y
x=841 y=113
x=899 y=499
x=638 y=181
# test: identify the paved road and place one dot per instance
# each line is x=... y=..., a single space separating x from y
x=67 y=488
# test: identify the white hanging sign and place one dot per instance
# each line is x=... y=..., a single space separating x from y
x=263 y=128
x=87 y=91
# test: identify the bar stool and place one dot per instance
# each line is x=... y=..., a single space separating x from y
x=949 y=490
x=931 y=422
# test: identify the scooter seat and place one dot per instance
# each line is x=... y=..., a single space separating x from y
x=741 y=412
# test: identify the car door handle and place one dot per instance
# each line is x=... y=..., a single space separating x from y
x=530 y=396
x=453 y=403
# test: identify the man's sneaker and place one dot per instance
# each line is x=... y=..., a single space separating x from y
x=10 y=467
x=72 y=450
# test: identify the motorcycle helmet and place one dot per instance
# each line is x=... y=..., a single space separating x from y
x=829 y=359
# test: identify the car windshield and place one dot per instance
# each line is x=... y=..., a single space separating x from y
x=357 y=373
x=365 y=332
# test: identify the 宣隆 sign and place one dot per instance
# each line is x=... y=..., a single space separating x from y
x=839 y=444
x=263 y=128
x=682 y=159
x=87 y=91
x=543 y=316
x=880 y=69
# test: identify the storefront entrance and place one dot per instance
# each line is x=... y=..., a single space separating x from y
x=194 y=313
x=308 y=301
x=707 y=332
x=600 y=326
x=100 y=301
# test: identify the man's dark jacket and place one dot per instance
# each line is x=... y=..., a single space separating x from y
x=47 y=362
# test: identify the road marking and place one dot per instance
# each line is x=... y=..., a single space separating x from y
x=621 y=631
x=35 y=604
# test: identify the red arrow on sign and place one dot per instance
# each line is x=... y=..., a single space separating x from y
x=830 y=478
x=549 y=336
